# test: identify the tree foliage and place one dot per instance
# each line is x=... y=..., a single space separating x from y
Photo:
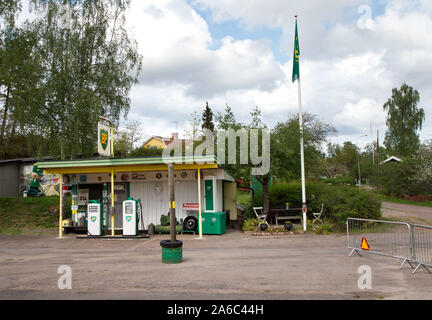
x=285 y=145
x=227 y=120
x=77 y=73
x=423 y=168
x=125 y=139
x=207 y=119
x=404 y=120
x=20 y=85
x=193 y=127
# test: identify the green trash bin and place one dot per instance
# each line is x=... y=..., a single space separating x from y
x=214 y=223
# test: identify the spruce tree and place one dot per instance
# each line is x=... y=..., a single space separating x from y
x=207 y=119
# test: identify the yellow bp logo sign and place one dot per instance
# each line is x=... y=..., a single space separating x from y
x=104 y=138
x=129 y=218
x=93 y=219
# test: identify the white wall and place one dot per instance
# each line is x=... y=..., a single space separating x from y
x=156 y=204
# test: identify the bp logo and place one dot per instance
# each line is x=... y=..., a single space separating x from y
x=93 y=219
x=104 y=138
x=128 y=218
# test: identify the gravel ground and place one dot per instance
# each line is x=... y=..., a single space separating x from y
x=407 y=213
x=232 y=266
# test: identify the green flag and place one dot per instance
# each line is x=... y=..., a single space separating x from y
x=296 y=67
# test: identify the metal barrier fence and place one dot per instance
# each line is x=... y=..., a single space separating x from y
x=386 y=238
x=422 y=246
x=412 y=244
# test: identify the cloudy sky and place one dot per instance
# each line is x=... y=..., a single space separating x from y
x=240 y=53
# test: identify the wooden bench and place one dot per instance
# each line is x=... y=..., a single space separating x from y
x=278 y=216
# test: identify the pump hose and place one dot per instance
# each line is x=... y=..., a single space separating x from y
x=141 y=217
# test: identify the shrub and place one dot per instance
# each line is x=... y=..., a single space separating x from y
x=250 y=225
x=345 y=180
x=279 y=229
x=341 y=203
x=324 y=228
x=399 y=179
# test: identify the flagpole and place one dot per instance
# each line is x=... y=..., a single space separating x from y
x=302 y=157
x=303 y=178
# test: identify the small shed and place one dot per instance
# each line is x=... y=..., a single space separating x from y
x=14 y=176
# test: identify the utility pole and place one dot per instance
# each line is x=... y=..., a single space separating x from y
x=172 y=250
x=171 y=203
x=378 y=155
x=358 y=159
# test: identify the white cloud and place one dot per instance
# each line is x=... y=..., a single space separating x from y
x=347 y=72
x=174 y=41
x=358 y=117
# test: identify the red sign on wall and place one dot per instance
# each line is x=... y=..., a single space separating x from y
x=190 y=206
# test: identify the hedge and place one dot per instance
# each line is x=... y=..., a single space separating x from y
x=340 y=202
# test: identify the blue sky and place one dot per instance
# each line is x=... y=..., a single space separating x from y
x=236 y=29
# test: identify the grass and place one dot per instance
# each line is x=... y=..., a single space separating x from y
x=30 y=215
x=244 y=197
x=403 y=201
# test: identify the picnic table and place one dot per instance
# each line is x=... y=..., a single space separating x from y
x=286 y=214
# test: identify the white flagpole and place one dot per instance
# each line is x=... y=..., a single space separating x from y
x=303 y=178
x=302 y=155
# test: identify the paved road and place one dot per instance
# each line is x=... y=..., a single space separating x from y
x=407 y=213
x=233 y=266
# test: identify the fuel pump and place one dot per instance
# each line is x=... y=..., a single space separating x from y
x=130 y=217
x=94 y=218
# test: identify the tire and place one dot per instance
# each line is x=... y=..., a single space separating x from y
x=190 y=223
x=167 y=244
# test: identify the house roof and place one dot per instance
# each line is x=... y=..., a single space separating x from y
x=165 y=140
x=392 y=158
x=161 y=139
x=23 y=160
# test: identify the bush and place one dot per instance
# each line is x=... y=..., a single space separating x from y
x=396 y=179
x=274 y=229
x=250 y=225
x=291 y=193
x=345 y=180
x=340 y=201
x=324 y=228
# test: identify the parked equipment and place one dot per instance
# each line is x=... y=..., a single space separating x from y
x=94 y=218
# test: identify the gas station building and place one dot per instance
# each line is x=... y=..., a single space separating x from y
x=201 y=185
